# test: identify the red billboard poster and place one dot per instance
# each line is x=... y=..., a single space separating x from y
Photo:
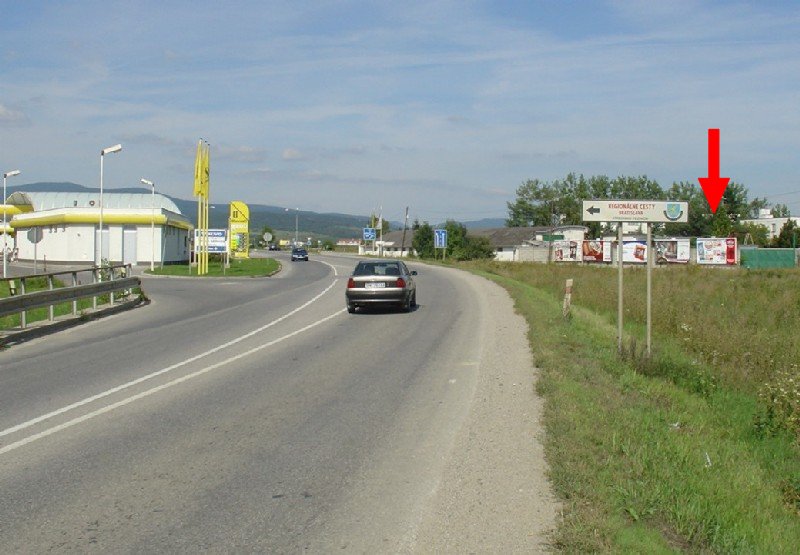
x=565 y=251
x=719 y=252
x=596 y=251
x=672 y=251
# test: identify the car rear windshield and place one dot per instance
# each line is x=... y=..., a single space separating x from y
x=377 y=269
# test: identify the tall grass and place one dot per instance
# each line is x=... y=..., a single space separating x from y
x=665 y=454
x=743 y=323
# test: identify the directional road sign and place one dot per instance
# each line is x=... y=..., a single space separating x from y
x=652 y=211
x=440 y=238
x=217 y=240
x=370 y=234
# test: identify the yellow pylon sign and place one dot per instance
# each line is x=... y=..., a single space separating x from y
x=239 y=224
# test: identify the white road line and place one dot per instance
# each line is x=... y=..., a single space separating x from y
x=187 y=377
x=335 y=272
x=113 y=390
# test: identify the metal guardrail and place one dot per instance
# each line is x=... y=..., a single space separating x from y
x=105 y=280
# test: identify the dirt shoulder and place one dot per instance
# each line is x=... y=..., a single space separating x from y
x=495 y=495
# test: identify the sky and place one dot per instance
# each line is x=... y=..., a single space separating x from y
x=354 y=107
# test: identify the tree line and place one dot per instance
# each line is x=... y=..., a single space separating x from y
x=559 y=202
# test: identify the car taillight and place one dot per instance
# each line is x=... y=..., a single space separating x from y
x=351 y=283
x=400 y=282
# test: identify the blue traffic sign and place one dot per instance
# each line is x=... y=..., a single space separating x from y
x=370 y=234
x=440 y=238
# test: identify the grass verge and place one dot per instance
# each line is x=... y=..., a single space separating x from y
x=656 y=457
x=249 y=267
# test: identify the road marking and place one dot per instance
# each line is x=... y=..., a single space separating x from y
x=113 y=390
x=335 y=272
x=142 y=395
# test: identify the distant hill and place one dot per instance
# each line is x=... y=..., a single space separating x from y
x=486 y=223
x=320 y=226
x=324 y=226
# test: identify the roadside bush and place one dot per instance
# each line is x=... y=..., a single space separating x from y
x=780 y=399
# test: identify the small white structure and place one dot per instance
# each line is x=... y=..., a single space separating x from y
x=64 y=228
x=773 y=225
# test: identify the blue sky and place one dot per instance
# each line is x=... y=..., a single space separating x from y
x=446 y=107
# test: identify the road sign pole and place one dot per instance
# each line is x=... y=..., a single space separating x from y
x=619 y=288
x=649 y=285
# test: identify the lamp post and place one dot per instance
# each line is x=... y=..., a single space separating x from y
x=6 y=175
x=152 y=224
x=109 y=150
x=296 y=212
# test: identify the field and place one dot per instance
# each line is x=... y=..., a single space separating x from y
x=694 y=449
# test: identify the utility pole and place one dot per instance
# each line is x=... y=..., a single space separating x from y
x=405 y=225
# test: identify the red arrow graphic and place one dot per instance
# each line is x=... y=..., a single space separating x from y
x=713 y=185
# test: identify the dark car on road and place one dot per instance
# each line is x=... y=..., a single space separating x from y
x=299 y=254
x=381 y=283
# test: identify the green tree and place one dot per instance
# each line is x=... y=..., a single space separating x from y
x=788 y=237
x=758 y=234
x=456 y=238
x=373 y=222
x=477 y=248
x=781 y=211
x=541 y=203
x=423 y=240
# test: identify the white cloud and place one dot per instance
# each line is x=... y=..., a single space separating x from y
x=12 y=118
x=291 y=154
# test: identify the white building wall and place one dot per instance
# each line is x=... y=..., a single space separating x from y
x=75 y=243
x=59 y=243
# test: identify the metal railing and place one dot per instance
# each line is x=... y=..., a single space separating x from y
x=103 y=280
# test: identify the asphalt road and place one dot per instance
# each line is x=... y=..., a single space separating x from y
x=256 y=415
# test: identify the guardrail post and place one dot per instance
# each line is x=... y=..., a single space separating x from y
x=75 y=302
x=51 y=309
x=111 y=278
x=94 y=280
x=23 y=317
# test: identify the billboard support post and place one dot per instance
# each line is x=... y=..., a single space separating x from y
x=619 y=288
x=649 y=285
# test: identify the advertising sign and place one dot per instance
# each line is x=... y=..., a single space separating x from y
x=720 y=252
x=239 y=224
x=672 y=251
x=634 y=252
x=596 y=251
x=217 y=240
x=565 y=251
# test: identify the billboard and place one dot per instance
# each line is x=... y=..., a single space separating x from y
x=565 y=251
x=718 y=252
x=239 y=224
x=672 y=251
x=596 y=251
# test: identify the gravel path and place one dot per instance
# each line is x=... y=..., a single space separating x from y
x=494 y=495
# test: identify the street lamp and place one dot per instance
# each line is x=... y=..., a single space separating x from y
x=109 y=150
x=6 y=175
x=152 y=224
x=296 y=212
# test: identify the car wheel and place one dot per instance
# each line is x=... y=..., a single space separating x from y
x=351 y=308
x=414 y=300
x=406 y=306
